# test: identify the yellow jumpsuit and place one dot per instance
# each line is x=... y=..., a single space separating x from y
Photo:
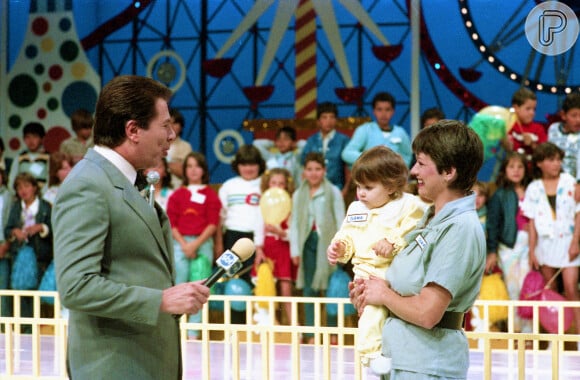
x=361 y=229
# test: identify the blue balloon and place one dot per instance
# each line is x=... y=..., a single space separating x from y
x=237 y=287
x=218 y=288
x=48 y=282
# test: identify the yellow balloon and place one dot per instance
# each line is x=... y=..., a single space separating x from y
x=493 y=288
x=506 y=114
x=265 y=282
x=275 y=205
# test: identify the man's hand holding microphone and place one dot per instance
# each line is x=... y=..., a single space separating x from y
x=189 y=297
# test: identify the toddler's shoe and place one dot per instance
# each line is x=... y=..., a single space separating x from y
x=380 y=365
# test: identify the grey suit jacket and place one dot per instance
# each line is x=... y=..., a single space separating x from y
x=113 y=258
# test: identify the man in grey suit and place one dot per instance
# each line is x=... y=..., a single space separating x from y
x=113 y=252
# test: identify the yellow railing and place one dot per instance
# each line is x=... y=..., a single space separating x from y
x=267 y=350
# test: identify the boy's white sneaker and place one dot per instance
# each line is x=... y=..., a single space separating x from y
x=380 y=365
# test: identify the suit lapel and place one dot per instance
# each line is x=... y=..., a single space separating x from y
x=166 y=233
x=159 y=227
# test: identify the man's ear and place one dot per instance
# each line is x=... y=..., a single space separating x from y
x=132 y=131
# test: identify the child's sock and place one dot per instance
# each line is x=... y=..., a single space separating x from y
x=380 y=365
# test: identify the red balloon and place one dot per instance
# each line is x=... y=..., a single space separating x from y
x=531 y=291
x=549 y=314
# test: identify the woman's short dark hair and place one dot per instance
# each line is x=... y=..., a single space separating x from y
x=124 y=98
x=451 y=144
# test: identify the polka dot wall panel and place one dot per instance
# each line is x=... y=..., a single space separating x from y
x=50 y=79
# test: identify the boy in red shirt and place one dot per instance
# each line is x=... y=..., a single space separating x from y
x=525 y=134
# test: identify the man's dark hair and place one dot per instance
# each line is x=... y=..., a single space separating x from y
x=125 y=98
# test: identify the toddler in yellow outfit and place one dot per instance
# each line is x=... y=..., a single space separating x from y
x=373 y=233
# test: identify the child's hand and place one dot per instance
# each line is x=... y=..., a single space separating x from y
x=190 y=249
x=296 y=261
x=19 y=234
x=490 y=262
x=260 y=256
x=384 y=248
x=334 y=251
x=33 y=230
x=528 y=139
x=275 y=230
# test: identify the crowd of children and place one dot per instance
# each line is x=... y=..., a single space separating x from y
x=529 y=214
x=531 y=219
x=26 y=198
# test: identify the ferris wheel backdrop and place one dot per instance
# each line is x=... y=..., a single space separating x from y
x=233 y=61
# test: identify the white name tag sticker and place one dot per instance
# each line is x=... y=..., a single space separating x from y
x=197 y=198
x=421 y=241
x=354 y=218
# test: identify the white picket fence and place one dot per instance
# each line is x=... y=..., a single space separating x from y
x=267 y=350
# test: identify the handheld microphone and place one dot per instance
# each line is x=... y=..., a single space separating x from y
x=231 y=261
x=152 y=178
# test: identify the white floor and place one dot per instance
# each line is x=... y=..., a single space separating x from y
x=538 y=365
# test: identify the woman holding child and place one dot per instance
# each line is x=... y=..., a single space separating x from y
x=436 y=278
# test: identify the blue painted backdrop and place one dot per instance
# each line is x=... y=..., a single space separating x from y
x=212 y=105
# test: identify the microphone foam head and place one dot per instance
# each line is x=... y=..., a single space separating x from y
x=153 y=177
x=244 y=248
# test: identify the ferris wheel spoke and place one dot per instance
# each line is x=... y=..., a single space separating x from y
x=545 y=73
x=529 y=64
x=540 y=67
x=566 y=65
x=512 y=25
